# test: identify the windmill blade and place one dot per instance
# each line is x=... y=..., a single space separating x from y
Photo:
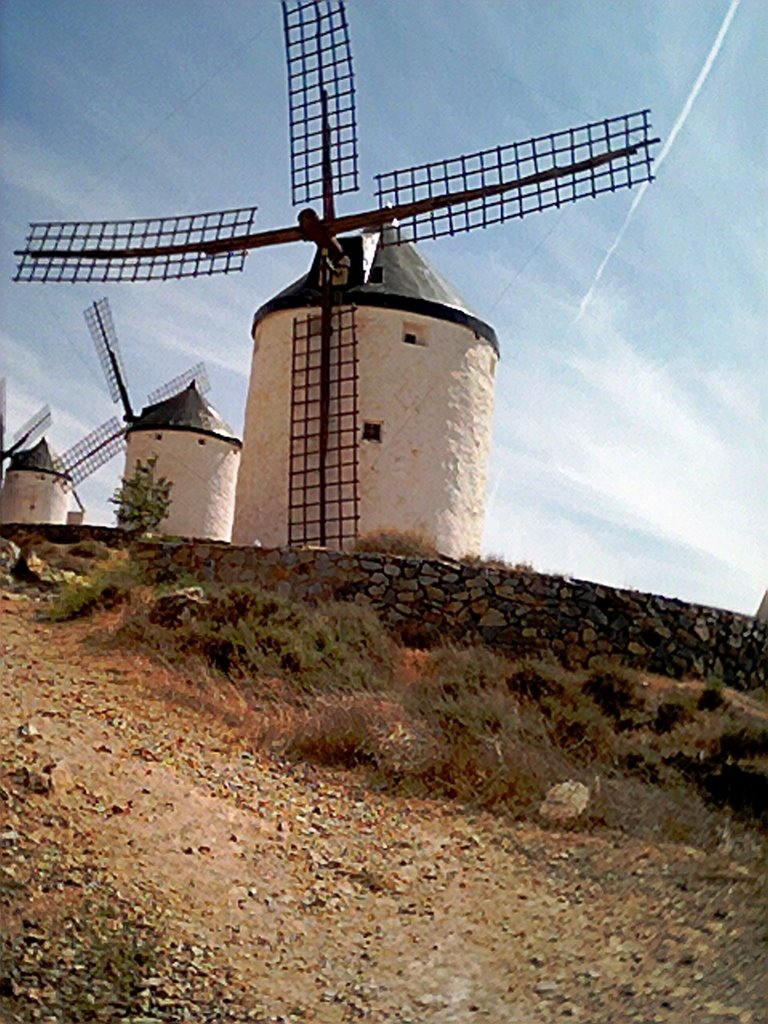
x=93 y=451
x=136 y=250
x=196 y=373
x=31 y=430
x=495 y=185
x=102 y=328
x=320 y=79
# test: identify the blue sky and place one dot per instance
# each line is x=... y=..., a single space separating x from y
x=631 y=429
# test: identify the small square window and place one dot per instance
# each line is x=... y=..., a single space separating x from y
x=410 y=338
x=372 y=431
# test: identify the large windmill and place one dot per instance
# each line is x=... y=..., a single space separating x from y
x=421 y=202
x=38 y=482
x=193 y=446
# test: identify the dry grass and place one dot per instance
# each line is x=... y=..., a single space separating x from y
x=329 y=685
x=403 y=543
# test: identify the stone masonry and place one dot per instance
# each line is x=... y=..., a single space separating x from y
x=521 y=613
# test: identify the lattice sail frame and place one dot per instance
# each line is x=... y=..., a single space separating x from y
x=92 y=452
x=98 y=317
x=319 y=61
x=339 y=473
x=135 y=250
x=197 y=373
x=551 y=170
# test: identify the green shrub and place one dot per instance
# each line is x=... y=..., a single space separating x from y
x=245 y=632
x=712 y=696
x=142 y=501
x=109 y=584
x=672 y=712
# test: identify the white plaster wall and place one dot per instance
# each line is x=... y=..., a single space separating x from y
x=261 y=509
x=203 y=471
x=434 y=401
x=29 y=496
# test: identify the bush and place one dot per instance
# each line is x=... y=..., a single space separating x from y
x=671 y=713
x=246 y=632
x=142 y=502
x=109 y=584
x=615 y=691
x=712 y=696
x=340 y=735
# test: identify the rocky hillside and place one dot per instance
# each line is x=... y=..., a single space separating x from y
x=158 y=865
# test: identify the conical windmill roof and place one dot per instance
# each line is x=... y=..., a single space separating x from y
x=186 y=410
x=397 y=277
x=38 y=458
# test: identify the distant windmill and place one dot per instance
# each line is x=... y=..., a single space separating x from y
x=317 y=499
x=35 y=426
x=195 y=449
x=38 y=483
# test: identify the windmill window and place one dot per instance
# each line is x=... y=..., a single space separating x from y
x=201 y=440
x=158 y=437
x=372 y=431
x=413 y=336
x=376 y=275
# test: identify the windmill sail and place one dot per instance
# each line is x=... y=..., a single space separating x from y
x=495 y=185
x=321 y=87
x=196 y=373
x=92 y=452
x=32 y=430
x=136 y=250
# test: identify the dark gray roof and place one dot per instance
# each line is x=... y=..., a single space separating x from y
x=399 y=278
x=38 y=458
x=186 y=410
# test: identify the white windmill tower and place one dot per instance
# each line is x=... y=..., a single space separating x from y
x=340 y=371
x=410 y=411
x=37 y=484
x=32 y=489
x=195 y=449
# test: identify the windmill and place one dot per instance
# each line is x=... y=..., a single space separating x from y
x=33 y=429
x=38 y=482
x=426 y=201
x=193 y=446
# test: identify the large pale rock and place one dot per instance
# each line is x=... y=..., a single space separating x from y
x=565 y=802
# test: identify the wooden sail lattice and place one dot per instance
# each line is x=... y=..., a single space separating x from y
x=325 y=430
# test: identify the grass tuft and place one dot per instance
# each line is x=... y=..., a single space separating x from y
x=402 y=543
x=110 y=583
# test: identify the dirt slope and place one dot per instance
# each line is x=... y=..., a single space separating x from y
x=310 y=899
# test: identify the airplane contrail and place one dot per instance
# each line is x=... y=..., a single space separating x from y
x=682 y=117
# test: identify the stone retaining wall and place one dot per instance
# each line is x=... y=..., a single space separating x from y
x=521 y=613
